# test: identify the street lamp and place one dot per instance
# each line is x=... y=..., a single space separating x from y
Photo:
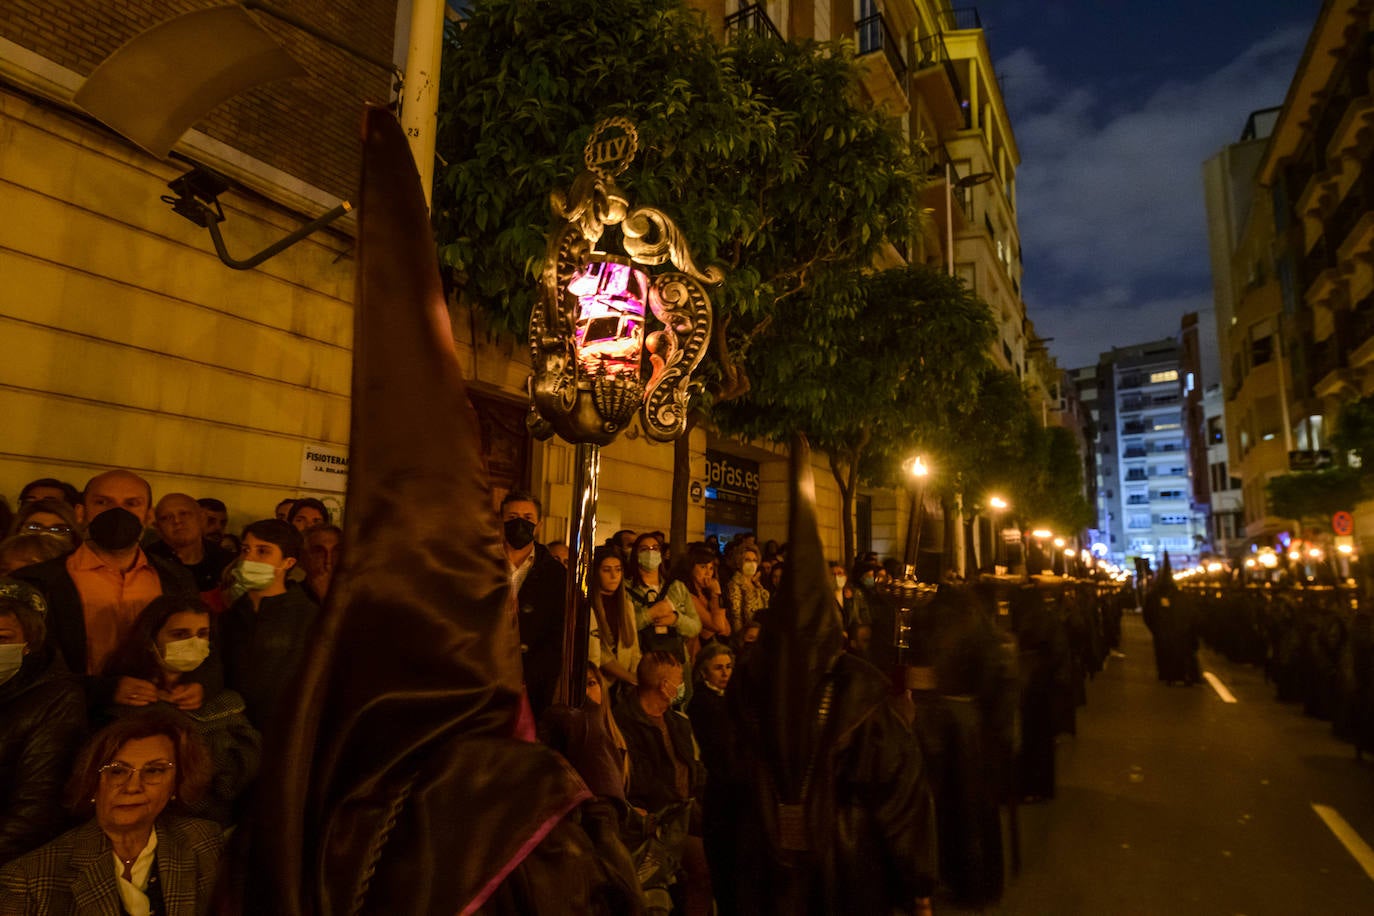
x=616 y=332
x=998 y=505
x=917 y=470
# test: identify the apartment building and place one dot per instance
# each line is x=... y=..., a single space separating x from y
x=1292 y=212
x=1144 y=500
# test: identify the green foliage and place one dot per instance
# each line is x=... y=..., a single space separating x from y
x=866 y=364
x=760 y=150
x=524 y=82
x=1314 y=496
x=1355 y=432
x=1061 y=503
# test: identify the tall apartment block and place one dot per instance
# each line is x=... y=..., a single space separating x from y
x=1144 y=499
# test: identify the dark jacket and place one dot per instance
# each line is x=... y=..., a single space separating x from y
x=74 y=874
x=263 y=648
x=207 y=574
x=67 y=618
x=710 y=716
x=541 y=601
x=42 y=723
x=653 y=778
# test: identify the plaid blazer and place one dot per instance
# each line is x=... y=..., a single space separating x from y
x=74 y=876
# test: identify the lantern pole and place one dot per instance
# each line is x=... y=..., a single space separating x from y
x=581 y=544
x=621 y=321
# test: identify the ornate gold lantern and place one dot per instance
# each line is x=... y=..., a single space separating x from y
x=621 y=322
x=615 y=332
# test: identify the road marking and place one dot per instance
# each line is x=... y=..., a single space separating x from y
x=1219 y=687
x=1352 y=841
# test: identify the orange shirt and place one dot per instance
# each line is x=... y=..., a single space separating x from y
x=111 y=600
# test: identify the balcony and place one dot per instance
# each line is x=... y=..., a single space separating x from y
x=884 y=65
x=935 y=78
x=1321 y=277
x=1360 y=333
x=754 y=20
x=1352 y=136
x=966 y=18
x=1134 y=453
x=1318 y=193
x=1328 y=366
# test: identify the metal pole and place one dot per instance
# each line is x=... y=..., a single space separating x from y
x=420 y=94
x=581 y=542
x=909 y=559
x=949 y=216
x=920 y=508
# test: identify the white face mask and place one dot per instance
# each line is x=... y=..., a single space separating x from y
x=255 y=576
x=186 y=654
x=11 y=660
x=650 y=559
x=749 y=567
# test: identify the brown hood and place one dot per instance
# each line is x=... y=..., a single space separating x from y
x=413 y=684
x=801 y=637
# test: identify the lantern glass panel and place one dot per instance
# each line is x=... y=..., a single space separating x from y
x=610 y=319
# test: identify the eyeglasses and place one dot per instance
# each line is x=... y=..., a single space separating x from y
x=150 y=774
x=40 y=528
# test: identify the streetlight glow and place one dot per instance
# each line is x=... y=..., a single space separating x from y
x=1042 y=533
x=917 y=467
x=997 y=502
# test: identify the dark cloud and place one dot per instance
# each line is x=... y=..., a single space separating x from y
x=1113 y=226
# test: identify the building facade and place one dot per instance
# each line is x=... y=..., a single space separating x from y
x=1295 y=199
x=1144 y=500
x=133 y=346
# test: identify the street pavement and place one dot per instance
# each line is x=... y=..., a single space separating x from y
x=1172 y=801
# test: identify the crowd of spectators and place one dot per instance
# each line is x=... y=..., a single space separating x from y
x=145 y=650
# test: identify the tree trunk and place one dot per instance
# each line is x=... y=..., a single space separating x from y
x=682 y=483
x=842 y=480
x=948 y=556
x=846 y=472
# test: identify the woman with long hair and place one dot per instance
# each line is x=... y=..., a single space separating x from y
x=614 y=618
x=664 y=611
x=698 y=571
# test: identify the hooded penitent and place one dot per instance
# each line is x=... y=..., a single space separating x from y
x=804 y=633
x=398 y=786
x=838 y=812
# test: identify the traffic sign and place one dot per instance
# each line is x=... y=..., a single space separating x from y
x=1342 y=523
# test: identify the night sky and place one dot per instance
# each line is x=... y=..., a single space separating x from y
x=1115 y=106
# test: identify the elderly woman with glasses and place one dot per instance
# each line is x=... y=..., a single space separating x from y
x=137 y=855
x=51 y=517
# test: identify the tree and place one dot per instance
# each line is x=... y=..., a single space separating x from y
x=1314 y=496
x=866 y=366
x=762 y=150
x=1060 y=501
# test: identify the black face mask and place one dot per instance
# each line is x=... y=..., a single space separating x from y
x=115 y=529
x=519 y=532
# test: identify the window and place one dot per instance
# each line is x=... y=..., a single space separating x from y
x=1216 y=430
x=1136 y=522
x=1165 y=375
x=1173 y=519
x=1219 y=480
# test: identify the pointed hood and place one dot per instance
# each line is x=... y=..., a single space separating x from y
x=802 y=635
x=415 y=660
